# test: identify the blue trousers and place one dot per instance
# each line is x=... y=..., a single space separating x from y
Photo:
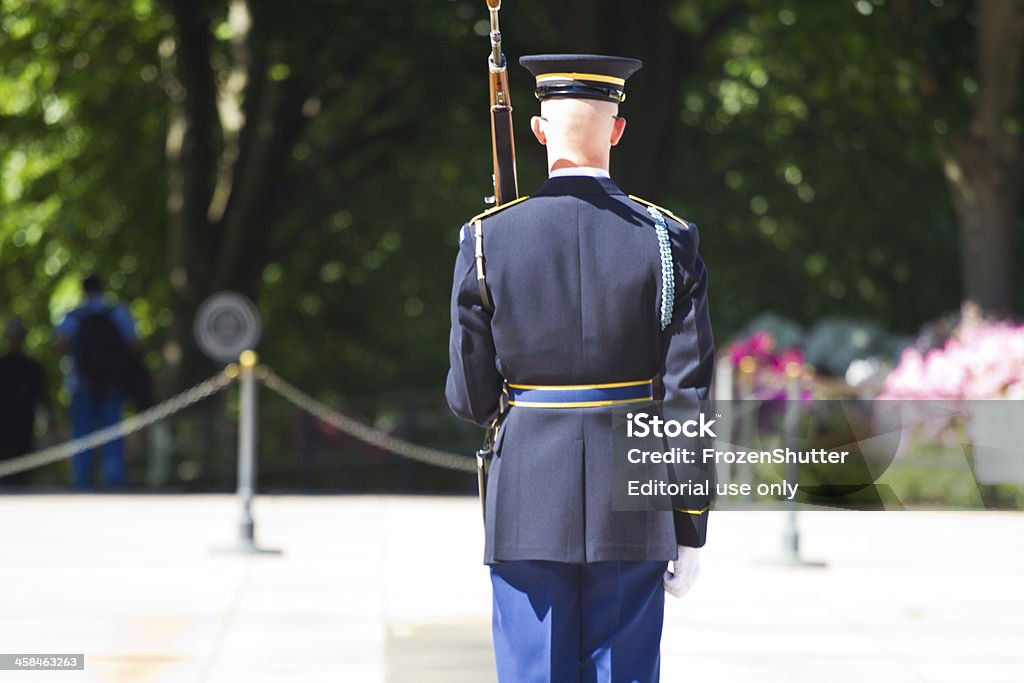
x=577 y=623
x=89 y=413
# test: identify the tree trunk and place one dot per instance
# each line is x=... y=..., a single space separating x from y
x=643 y=164
x=985 y=200
x=224 y=173
x=983 y=165
x=190 y=141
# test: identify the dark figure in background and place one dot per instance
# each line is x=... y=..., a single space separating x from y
x=102 y=342
x=22 y=391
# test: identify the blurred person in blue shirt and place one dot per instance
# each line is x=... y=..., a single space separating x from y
x=101 y=339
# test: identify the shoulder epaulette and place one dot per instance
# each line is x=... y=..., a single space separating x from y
x=495 y=209
x=660 y=208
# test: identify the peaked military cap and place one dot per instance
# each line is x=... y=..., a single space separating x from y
x=594 y=77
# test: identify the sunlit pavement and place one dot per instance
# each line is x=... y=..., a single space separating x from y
x=388 y=588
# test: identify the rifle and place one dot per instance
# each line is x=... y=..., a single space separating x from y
x=506 y=189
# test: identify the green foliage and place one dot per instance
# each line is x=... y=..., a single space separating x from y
x=77 y=182
x=812 y=167
x=802 y=141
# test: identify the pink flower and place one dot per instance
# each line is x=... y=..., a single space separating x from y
x=762 y=367
x=757 y=346
x=784 y=358
x=983 y=359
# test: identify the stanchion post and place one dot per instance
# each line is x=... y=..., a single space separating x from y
x=247 y=407
x=723 y=397
x=747 y=425
x=791 y=534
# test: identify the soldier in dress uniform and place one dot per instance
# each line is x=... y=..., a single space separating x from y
x=591 y=298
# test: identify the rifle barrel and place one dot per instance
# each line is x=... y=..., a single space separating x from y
x=497 y=59
x=506 y=187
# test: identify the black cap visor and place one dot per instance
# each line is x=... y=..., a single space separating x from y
x=589 y=91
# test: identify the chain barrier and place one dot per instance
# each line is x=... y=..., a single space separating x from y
x=217 y=383
x=133 y=424
x=355 y=428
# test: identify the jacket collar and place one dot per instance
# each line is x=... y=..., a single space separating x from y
x=577 y=184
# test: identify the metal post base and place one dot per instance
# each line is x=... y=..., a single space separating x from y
x=247 y=543
x=248 y=548
x=790 y=555
x=791 y=560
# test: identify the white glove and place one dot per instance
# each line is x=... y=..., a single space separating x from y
x=685 y=570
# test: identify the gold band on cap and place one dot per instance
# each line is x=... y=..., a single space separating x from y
x=580 y=77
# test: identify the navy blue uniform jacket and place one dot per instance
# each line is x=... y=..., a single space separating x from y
x=574 y=274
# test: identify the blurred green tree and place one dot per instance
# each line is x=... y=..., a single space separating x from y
x=321 y=156
x=289 y=153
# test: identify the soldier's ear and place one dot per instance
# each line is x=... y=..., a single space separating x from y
x=618 y=128
x=537 y=126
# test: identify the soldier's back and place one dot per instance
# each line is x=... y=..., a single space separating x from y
x=574 y=273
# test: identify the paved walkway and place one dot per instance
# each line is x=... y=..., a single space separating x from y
x=391 y=589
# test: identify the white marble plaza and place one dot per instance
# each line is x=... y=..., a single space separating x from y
x=389 y=588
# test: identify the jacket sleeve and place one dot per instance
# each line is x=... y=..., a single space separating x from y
x=474 y=384
x=688 y=366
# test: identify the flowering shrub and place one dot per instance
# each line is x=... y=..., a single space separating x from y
x=977 y=359
x=983 y=359
x=756 y=357
x=832 y=343
x=759 y=348
x=836 y=342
